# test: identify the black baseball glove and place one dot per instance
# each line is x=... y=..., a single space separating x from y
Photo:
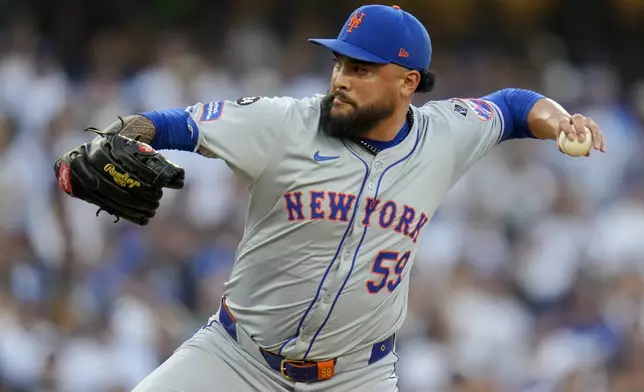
x=122 y=176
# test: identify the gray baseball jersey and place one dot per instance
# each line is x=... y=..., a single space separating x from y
x=331 y=231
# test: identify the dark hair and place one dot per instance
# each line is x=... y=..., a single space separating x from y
x=427 y=81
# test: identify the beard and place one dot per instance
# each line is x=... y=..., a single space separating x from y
x=356 y=124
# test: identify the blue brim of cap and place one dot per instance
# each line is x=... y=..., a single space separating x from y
x=346 y=49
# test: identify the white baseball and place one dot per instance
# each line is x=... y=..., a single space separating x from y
x=575 y=148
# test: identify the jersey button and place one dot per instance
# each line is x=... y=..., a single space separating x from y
x=346 y=255
x=327 y=299
x=371 y=185
x=378 y=165
x=305 y=337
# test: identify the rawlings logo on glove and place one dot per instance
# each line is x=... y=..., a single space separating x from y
x=122 y=179
x=121 y=176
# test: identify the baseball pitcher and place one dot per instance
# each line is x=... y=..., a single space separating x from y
x=341 y=187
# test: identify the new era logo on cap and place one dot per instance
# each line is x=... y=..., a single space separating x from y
x=382 y=34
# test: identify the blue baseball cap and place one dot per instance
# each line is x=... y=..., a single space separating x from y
x=382 y=34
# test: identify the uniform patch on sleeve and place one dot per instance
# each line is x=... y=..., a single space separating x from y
x=212 y=111
x=460 y=109
x=482 y=109
x=247 y=100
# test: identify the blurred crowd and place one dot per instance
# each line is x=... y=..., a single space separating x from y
x=528 y=279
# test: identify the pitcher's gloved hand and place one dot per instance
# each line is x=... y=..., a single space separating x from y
x=120 y=175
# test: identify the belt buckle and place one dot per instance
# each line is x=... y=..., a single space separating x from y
x=283 y=368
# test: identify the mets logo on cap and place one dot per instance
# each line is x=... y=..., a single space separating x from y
x=354 y=21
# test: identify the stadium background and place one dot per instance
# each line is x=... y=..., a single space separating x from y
x=529 y=277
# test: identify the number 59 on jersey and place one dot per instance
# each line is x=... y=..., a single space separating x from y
x=382 y=266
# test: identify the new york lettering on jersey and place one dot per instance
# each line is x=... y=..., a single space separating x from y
x=336 y=206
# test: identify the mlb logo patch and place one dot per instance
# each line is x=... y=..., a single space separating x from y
x=212 y=111
x=482 y=109
x=460 y=110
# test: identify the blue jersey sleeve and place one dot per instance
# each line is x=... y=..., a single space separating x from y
x=515 y=105
x=175 y=129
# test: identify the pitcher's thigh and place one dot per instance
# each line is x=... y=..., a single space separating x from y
x=208 y=363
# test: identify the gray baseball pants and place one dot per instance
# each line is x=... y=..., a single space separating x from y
x=213 y=361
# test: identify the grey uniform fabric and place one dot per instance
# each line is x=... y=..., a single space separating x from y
x=331 y=233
